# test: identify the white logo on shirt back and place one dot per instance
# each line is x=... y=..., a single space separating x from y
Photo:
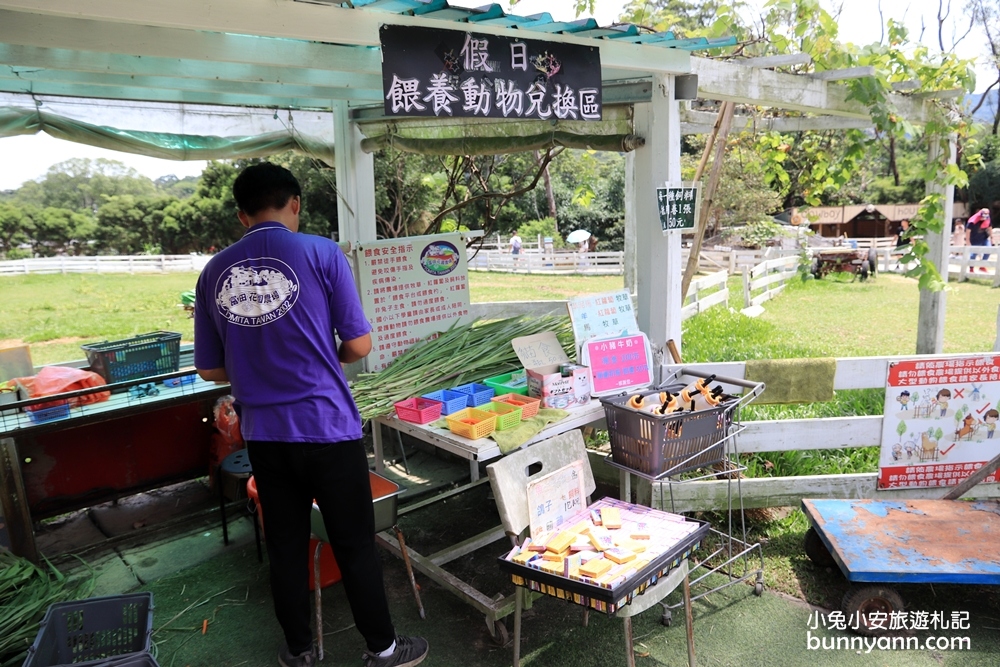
x=257 y=291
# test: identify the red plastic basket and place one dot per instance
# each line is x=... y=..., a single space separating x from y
x=419 y=410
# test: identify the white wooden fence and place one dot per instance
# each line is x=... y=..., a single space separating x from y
x=585 y=263
x=105 y=264
x=771 y=276
x=806 y=435
x=706 y=292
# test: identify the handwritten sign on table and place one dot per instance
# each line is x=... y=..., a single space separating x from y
x=539 y=350
x=552 y=499
x=618 y=364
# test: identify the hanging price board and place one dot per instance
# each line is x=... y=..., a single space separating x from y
x=679 y=205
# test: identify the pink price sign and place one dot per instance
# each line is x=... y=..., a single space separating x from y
x=618 y=363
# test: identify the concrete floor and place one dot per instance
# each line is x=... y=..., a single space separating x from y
x=169 y=542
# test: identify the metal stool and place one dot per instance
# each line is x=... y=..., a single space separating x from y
x=235 y=468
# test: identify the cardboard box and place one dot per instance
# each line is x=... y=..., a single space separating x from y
x=542 y=356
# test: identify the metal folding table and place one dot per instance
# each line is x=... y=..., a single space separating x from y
x=474 y=451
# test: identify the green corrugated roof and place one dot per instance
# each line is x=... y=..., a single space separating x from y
x=494 y=15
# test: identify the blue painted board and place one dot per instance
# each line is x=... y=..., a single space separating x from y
x=911 y=541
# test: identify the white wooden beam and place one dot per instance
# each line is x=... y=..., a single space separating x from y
x=111 y=63
x=73 y=33
x=696 y=122
x=274 y=91
x=844 y=74
x=732 y=81
x=159 y=95
x=786 y=60
x=658 y=257
x=298 y=20
x=789 y=491
x=355 y=173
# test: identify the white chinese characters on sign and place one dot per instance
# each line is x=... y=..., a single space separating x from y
x=439 y=94
x=403 y=94
x=476 y=53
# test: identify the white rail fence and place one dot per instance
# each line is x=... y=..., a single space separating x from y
x=805 y=435
x=585 y=263
x=706 y=292
x=771 y=276
x=105 y=264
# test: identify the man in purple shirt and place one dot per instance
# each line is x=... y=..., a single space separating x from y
x=267 y=310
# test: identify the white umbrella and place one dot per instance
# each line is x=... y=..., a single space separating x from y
x=579 y=236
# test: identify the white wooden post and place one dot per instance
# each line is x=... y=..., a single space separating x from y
x=355 y=171
x=630 y=224
x=930 y=317
x=658 y=257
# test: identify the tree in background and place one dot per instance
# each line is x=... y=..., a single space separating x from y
x=57 y=231
x=14 y=227
x=81 y=184
x=986 y=14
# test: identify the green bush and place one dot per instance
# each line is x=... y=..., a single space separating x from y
x=529 y=231
x=18 y=253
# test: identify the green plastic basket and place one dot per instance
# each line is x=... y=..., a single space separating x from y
x=509 y=383
x=508 y=416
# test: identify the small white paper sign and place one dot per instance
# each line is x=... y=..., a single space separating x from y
x=554 y=498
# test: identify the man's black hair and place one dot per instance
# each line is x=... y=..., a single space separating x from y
x=263 y=186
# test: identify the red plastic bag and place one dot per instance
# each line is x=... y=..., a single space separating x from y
x=59 y=379
x=226 y=421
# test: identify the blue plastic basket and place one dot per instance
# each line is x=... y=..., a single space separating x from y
x=452 y=401
x=149 y=354
x=478 y=393
x=48 y=414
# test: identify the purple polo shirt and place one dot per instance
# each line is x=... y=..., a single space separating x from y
x=267 y=309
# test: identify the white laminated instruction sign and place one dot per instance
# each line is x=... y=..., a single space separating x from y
x=411 y=288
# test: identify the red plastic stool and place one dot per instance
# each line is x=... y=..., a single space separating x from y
x=329 y=571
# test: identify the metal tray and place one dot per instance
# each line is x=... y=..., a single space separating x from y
x=621 y=594
x=385 y=499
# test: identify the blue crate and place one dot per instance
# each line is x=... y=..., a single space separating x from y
x=176 y=382
x=478 y=394
x=452 y=401
x=48 y=414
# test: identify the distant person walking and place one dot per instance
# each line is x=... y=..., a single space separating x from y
x=515 y=244
x=978 y=231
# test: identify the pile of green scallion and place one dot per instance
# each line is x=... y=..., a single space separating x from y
x=26 y=591
x=462 y=354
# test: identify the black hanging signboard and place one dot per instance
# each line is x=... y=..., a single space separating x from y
x=679 y=205
x=430 y=72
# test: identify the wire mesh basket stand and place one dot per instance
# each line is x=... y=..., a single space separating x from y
x=729 y=553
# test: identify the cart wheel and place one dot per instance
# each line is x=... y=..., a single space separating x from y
x=872 y=263
x=667 y=618
x=758 y=588
x=865 y=600
x=816 y=550
x=499 y=632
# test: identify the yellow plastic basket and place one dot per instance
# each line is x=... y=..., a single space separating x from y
x=508 y=415
x=472 y=423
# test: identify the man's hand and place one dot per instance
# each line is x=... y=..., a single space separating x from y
x=355 y=349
